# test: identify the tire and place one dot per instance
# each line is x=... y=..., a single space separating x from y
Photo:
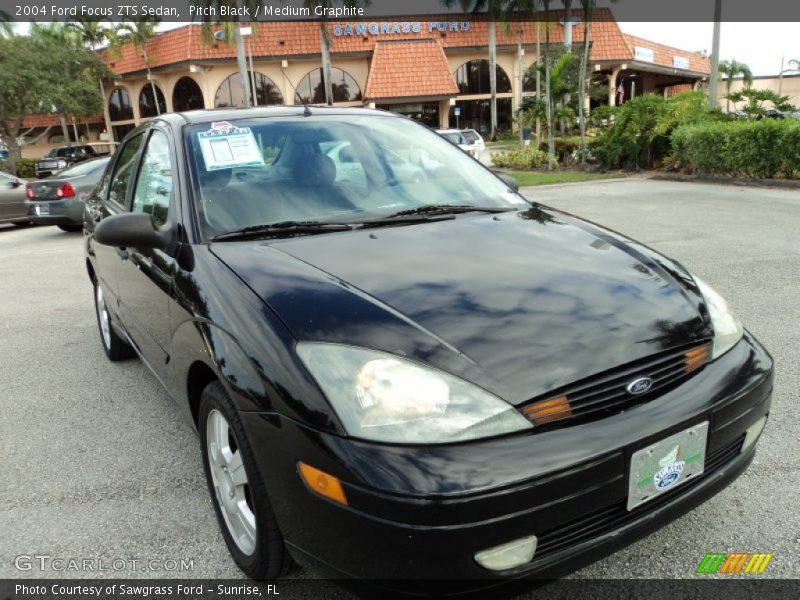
x=115 y=347
x=71 y=228
x=247 y=523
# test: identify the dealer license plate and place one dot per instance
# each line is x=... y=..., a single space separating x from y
x=41 y=210
x=667 y=464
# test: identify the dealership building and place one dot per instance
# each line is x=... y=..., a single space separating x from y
x=434 y=69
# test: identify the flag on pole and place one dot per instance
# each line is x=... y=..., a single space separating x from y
x=620 y=94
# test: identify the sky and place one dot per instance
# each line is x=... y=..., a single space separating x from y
x=758 y=45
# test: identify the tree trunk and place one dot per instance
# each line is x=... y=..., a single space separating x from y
x=150 y=79
x=326 y=64
x=538 y=86
x=493 y=79
x=587 y=32
x=14 y=153
x=65 y=129
x=241 y=61
x=551 y=144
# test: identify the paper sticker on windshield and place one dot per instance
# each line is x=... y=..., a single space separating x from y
x=225 y=146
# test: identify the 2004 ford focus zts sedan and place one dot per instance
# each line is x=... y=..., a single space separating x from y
x=404 y=379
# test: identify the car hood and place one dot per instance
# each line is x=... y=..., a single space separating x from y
x=520 y=303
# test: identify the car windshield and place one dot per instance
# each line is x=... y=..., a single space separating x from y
x=329 y=169
x=83 y=168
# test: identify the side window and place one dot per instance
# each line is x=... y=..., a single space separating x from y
x=154 y=186
x=123 y=170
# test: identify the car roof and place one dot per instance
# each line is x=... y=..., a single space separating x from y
x=221 y=114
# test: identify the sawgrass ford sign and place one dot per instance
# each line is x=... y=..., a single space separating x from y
x=399 y=27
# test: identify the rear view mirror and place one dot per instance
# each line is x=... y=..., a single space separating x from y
x=130 y=230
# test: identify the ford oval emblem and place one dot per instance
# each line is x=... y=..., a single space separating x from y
x=639 y=386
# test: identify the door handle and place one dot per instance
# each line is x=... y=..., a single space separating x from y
x=122 y=253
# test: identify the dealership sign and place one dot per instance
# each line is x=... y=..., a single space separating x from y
x=680 y=62
x=399 y=27
x=644 y=54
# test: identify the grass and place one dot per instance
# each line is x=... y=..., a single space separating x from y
x=529 y=178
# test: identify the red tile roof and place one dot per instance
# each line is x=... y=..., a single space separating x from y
x=663 y=55
x=405 y=69
x=302 y=38
x=54 y=121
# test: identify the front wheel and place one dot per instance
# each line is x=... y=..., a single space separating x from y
x=114 y=346
x=240 y=497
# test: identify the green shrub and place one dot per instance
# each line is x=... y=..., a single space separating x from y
x=26 y=168
x=527 y=158
x=758 y=149
x=640 y=133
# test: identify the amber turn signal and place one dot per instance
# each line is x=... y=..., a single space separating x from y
x=323 y=484
x=546 y=411
x=696 y=358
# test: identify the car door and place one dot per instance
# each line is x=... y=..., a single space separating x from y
x=12 y=198
x=146 y=274
x=112 y=198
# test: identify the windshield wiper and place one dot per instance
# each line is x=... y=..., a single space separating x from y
x=282 y=228
x=448 y=209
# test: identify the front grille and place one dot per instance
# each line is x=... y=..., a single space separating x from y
x=618 y=515
x=606 y=393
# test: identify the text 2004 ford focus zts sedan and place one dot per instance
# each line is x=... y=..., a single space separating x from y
x=399 y=368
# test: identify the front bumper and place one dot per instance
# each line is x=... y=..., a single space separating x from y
x=417 y=515
x=60 y=212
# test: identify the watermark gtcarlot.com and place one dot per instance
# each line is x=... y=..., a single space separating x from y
x=60 y=564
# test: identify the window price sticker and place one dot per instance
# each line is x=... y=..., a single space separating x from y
x=225 y=146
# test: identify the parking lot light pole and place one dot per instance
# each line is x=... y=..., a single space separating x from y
x=712 y=84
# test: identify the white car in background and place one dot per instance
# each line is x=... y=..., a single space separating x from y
x=475 y=140
x=455 y=136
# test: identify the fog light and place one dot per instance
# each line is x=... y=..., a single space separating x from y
x=753 y=432
x=508 y=556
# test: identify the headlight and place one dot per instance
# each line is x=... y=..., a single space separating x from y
x=727 y=327
x=62 y=163
x=385 y=398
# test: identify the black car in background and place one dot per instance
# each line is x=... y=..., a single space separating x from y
x=62 y=157
x=59 y=199
x=414 y=383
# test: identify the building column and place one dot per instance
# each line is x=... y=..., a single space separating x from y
x=612 y=86
x=444 y=113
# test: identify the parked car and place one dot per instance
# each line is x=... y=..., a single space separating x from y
x=406 y=383
x=12 y=200
x=454 y=136
x=474 y=139
x=349 y=167
x=59 y=200
x=64 y=156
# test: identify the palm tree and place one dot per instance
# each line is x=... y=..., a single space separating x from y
x=325 y=39
x=138 y=33
x=230 y=31
x=93 y=34
x=731 y=69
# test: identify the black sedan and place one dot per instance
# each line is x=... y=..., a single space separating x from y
x=59 y=199
x=407 y=381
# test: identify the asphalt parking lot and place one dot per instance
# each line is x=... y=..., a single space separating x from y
x=97 y=462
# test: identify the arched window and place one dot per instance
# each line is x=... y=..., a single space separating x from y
x=119 y=105
x=147 y=106
x=230 y=92
x=473 y=78
x=187 y=95
x=311 y=89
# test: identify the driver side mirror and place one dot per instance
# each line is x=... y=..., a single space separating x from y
x=135 y=230
x=14 y=184
x=508 y=180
